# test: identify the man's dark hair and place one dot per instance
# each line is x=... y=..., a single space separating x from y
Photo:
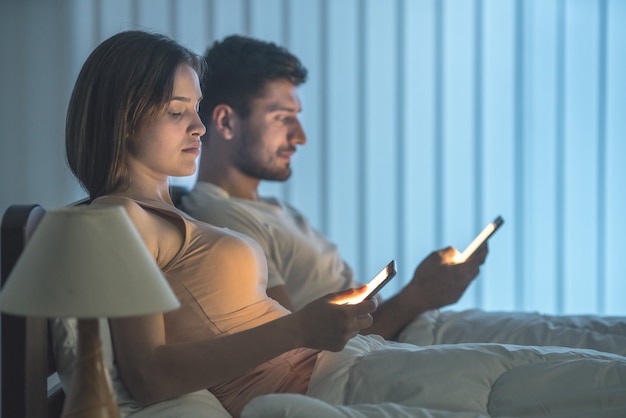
x=238 y=69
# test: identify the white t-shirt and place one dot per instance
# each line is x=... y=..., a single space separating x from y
x=298 y=256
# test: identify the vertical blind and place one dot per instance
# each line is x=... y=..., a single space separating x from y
x=428 y=118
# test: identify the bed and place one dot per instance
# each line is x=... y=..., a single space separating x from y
x=37 y=354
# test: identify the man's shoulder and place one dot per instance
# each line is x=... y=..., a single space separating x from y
x=209 y=203
x=205 y=197
x=206 y=190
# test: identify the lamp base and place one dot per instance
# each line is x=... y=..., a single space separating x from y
x=90 y=393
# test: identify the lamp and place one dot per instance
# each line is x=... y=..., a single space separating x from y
x=87 y=262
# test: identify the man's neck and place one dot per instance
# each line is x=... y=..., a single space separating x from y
x=238 y=189
x=231 y=180
x=217 y=168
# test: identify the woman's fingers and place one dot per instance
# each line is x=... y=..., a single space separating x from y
x=345 y=297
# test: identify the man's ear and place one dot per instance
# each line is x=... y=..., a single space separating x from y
x=223 y=119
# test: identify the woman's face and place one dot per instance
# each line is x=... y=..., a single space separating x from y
x=169 y=144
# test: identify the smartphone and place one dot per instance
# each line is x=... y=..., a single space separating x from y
x=377 y=283
x=480 y=239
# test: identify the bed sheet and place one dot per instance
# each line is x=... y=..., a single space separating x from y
x=602 y=333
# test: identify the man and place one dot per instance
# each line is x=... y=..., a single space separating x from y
x=250 y=109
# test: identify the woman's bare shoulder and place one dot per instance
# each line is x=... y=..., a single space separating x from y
x=162 y=238
x=134 y=210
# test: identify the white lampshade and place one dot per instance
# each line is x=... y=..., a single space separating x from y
x=86 y=262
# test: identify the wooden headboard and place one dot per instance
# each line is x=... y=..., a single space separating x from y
x=30 y=387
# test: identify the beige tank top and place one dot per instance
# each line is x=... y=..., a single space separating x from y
x=220 y=277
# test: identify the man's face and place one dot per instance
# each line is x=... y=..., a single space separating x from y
x=267 y=138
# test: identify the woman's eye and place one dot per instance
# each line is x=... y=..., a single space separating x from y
x=176 y=114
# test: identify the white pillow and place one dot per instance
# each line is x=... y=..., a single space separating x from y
x=64 y=345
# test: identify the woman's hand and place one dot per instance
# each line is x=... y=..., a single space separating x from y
x=327 y=324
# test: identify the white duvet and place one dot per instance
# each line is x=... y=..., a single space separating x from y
x=472 y=380
x=373 y=378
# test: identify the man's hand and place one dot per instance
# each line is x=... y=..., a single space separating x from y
x=439 y=281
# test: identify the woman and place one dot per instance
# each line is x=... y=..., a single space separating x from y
x=132 y=122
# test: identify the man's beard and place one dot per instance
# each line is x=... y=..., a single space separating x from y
x=250 y=163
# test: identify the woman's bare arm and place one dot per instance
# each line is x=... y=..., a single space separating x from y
x=153 y=370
